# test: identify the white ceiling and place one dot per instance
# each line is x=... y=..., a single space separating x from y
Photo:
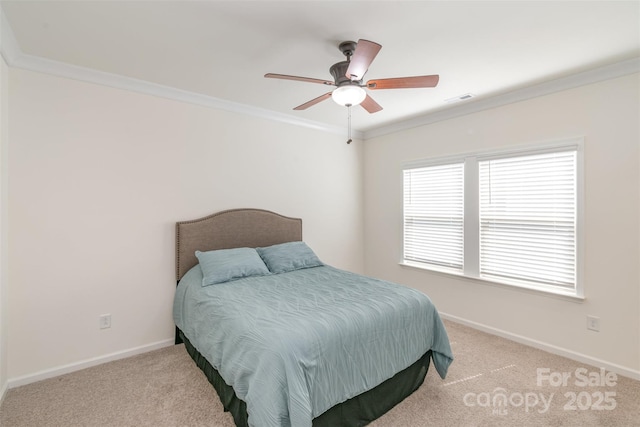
x=222 y=49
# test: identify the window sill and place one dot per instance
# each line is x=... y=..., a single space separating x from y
x=514 y=286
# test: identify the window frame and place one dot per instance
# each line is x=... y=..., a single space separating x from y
x=471 y=220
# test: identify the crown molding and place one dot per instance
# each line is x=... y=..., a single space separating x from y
x=607 y=72
x=60 y=69
x=9 y=48
x=14 y=57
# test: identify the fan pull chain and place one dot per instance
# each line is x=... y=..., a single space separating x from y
x=349 y=124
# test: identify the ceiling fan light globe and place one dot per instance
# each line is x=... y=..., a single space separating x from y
x=348 y=95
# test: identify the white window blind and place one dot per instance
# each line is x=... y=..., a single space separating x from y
x=434 y=215
x=528 y=218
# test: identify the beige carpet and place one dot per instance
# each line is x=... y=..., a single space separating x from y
x=164 y=388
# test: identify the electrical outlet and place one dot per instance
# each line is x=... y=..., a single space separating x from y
x=105 y=321
x=593 y=323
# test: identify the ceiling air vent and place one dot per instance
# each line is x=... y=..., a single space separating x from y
x=459 y=98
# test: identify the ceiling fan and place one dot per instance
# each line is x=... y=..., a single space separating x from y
x=348 y=77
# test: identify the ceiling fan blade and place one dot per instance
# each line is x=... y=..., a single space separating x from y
x=300 y=79
x=404 y=82
x=313 y=101
x=363 y=56
x=370 y=105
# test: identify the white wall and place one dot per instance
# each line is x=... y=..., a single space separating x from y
x=98 y=178
x=607 y=115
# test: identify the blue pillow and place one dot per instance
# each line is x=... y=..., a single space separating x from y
x=225 y=265
x=288 y=257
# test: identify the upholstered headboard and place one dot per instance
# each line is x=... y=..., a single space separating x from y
x=234 y=228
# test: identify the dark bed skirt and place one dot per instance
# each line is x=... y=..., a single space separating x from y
x=357 y=411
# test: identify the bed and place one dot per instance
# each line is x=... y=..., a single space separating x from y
x=301 y=344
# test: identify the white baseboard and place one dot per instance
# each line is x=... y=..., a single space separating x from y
x=579 y=357
x=83 y=364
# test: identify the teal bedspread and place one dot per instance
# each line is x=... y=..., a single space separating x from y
x=292 y=345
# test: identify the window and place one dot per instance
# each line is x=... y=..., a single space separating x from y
x=508 y=217
x=433 y=215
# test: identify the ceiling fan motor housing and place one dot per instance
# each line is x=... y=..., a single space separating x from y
x=338 y=71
